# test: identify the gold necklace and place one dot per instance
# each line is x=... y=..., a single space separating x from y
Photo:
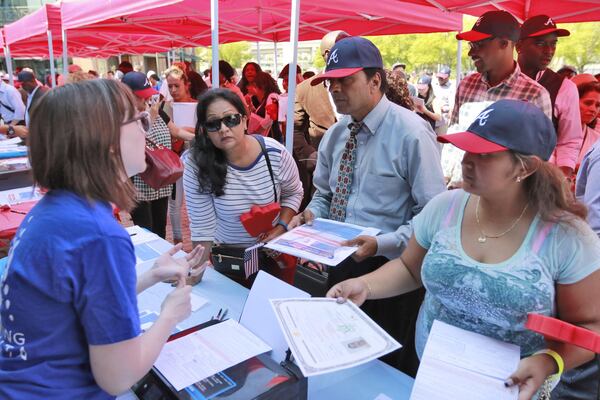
x=484 y=236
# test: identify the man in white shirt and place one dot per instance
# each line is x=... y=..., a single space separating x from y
x=12 y=108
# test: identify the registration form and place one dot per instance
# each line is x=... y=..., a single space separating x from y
x=325 y=336
x=203 y=353
x=459 y=364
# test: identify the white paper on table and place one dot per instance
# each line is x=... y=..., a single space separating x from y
x=197 y=302
x=206 y=352
x=184 y=114
x=258 y=315
x=471 y=366
x=320 y=242
x=10 y=142
x=325 y=336
x=20 y=195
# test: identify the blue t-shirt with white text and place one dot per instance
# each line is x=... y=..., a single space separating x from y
x=69 y=283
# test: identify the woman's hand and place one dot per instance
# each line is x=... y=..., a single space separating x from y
x=167 y=268
x=354 y=289
x=531 y=374
x=278 y=230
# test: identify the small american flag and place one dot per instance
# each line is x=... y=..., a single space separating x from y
x=251 y=259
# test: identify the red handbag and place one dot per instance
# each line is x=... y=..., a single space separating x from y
x=164 y=167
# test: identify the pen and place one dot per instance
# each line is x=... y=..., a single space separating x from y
x=219 y=313
x=224 y=314
x=132 y=234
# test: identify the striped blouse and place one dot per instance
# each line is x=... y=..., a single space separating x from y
x=218 y=218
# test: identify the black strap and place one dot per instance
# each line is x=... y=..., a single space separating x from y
x=261 y=141
x=12 y=110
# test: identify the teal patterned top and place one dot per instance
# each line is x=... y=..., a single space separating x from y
x=494 y=299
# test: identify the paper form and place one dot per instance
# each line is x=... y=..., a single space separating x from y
x=184 y=114
x=320 y=242
x=465 y=365
x=325 y=336
x=206 y=352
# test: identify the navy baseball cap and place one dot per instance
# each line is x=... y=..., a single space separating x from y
x=139 y=84
x=541 y=25
x=499 y=24
x=444 y=71
x=423 y=82
x=507 y=125
x=348 y=56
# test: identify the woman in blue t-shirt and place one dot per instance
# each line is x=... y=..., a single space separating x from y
x=70 y=323
x=513 y=241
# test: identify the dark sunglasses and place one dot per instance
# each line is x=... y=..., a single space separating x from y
x=230 y=121
x=480 y=43
x=143 y=119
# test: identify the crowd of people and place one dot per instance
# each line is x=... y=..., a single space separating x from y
x=486 y=195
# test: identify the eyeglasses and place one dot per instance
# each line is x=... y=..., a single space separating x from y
x=143 y=119
x=480 y=43
x=230 y=121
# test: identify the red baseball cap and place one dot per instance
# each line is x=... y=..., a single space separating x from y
x=500 y=24
x=541 y=25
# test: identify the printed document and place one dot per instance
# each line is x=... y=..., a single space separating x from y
x=203 y=353
x=184 y=114
x=320 y=242
x=325 y=336
x=459 y=364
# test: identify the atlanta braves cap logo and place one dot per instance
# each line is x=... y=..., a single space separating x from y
x=333 y=57
x=483 y=117
x=549 y=22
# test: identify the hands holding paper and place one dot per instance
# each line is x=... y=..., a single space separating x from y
x=530 y=374
x=355 y=290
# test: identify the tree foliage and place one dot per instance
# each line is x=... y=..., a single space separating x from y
x=236 y=54
x=579 y=49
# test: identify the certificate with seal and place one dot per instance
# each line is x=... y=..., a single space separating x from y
x=325 y=336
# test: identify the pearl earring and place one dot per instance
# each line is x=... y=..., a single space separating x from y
x=518 y=179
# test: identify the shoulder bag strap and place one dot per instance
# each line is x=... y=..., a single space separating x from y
x=261 y=141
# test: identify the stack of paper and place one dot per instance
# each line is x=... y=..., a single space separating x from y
x=206 y=352
x=459 y=364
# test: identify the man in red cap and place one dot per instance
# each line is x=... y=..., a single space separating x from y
x=491 y=40
x=535 y=49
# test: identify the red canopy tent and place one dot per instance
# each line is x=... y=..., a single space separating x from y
x=559 y=10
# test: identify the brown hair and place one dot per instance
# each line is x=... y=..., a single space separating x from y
x=583 y=89
x=76 y=144
x=549 y=191
x=397 y=90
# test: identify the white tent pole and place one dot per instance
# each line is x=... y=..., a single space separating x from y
x=214 y=28
x=9 y=66
x=65 y=55
x=257 y=53
x=458 y=62
x=275 y=69
x=120 y=59
x=51 y=55
x=156 y=60
x=289 y=123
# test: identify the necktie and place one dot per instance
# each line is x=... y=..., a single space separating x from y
x=339 y=202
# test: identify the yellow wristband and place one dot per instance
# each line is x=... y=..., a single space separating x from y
x=557 y=358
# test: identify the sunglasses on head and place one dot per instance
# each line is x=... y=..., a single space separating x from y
x=143 y=119
x=230 y=121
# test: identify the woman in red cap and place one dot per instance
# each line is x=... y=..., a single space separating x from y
x=513 y=241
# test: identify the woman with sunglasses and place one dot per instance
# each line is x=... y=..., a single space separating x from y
x=226 y=173
x=69 y=316
x=513 y=241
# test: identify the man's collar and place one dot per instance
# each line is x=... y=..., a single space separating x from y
x=375 y=117
x=509 y=80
